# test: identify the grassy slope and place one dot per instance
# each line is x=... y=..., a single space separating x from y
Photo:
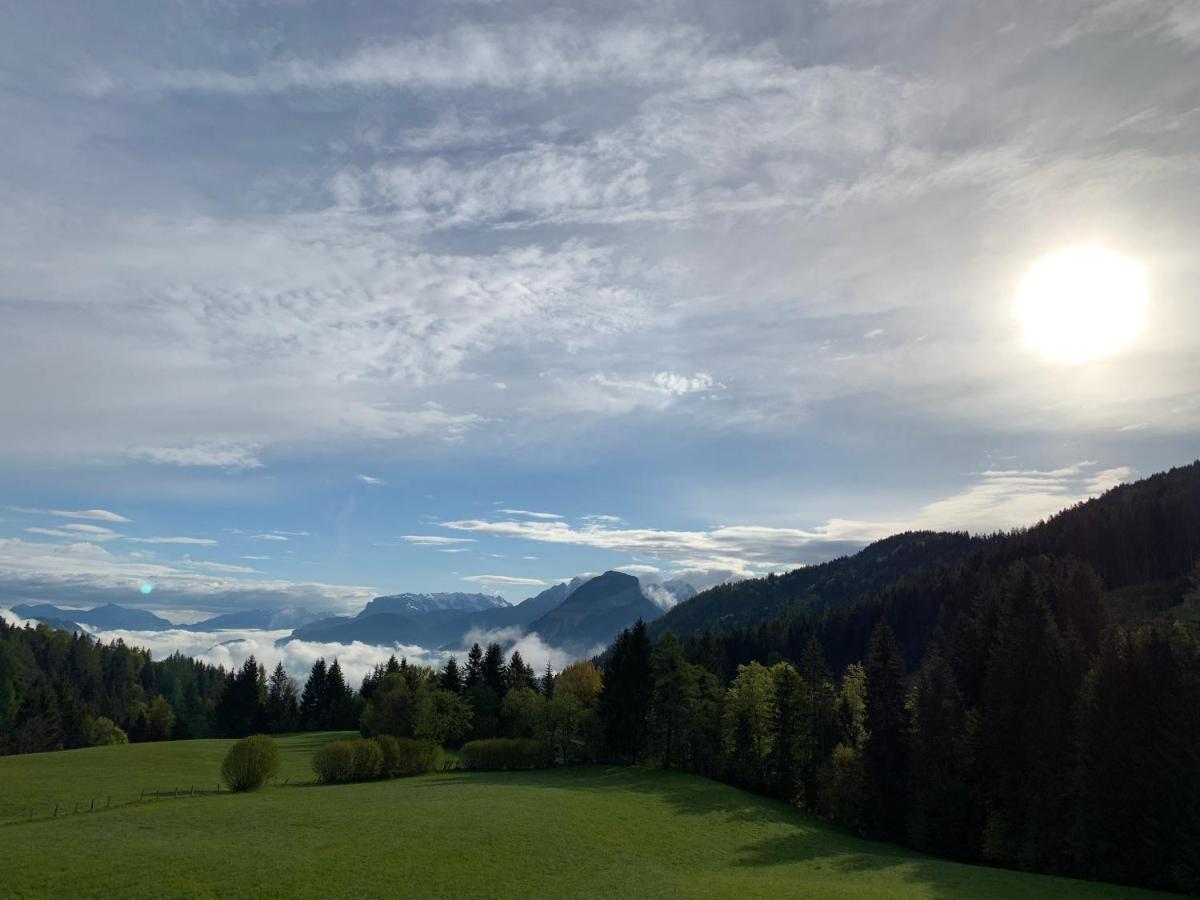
x=40 y=780
x=586 y=831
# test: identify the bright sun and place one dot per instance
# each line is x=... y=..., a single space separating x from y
x=1082 y=303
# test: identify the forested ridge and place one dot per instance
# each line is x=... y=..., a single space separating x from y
x=1026 y=700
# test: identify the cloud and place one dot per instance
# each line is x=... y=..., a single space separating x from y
x=76 y=532
x=506 y=580
x=525 y=56
x=371 y=479
x=529 y=515
x=270 y=536
x=171 y=540
x=222 y=455
x=535 y=651
x=85 y=574
x=232 y=648
x=98 y=515
x=998 y=500
x=434 y=540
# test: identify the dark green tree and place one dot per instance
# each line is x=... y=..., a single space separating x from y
x=451 y=678
x=885 y=752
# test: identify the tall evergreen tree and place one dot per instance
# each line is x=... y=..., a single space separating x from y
x=939 y=815
x=474 y=673
x=312 y=700
x=821 y=725
x=674 y=698
x=624 y=704
x=495 y=673
x=451 y=679
x=789 y=732
x=885 y=751
x=547 y=683
x=282 y=712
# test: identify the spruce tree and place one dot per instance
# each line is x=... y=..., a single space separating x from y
x=474 y=675
x=494 y=672
x=886 y=744
x=450 y=678
x=312 y=700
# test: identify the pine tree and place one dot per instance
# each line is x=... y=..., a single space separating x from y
x=547 y=683
x=520 y=675
x=474 y=674
x=821 y=724
x=886 y=745
x=312 y=701
x=282 y=711
x=939 y=820
x=673 y=701
x=789 y=732
x=495 y=674
x=624 y=704
x=450 y=678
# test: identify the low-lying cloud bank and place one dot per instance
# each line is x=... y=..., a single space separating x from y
x=231 y=648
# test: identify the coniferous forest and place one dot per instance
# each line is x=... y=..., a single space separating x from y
x=1028 y=700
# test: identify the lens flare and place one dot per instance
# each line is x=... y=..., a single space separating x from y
x=146 y=587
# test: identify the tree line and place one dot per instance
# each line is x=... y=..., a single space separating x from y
x=1030 y=733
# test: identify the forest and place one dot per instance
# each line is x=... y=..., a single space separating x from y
x=1030 y=704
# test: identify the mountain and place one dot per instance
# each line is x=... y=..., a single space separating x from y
x=259 y=619
x=1138 y=541
x=404 y=604
x=430 y=620
x=102 y=618
x=594 y=613
x=838 y=581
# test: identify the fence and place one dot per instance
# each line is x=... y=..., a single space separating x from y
x=60 y=809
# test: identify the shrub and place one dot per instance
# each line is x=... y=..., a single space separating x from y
x=250 y=763
x=103 y=732
x=415 y=757
x=506 y=753
x=391 y=754
x=368 y=760
x=334 y=762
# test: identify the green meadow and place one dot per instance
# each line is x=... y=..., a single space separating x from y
x=587 y=831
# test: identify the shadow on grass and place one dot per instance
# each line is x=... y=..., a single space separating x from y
x=797 y=836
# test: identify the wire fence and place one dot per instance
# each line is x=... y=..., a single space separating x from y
x=103 y=802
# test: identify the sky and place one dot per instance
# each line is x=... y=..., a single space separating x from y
x=305 y=302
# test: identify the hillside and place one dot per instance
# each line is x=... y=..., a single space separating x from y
x=584 y=831
x=837 y=581
x=1138 y=534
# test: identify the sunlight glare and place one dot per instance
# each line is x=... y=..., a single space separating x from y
x=1082 y=303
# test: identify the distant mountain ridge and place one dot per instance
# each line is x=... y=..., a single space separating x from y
x=104 y=618
x=423 y=603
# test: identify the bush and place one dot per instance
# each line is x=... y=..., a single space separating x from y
x=506 y=753
x=364 y=759
x=103 y=732
x=334 y=762
x=368 y=760
x=250 y=763
x=415 y=757
x=391 y=754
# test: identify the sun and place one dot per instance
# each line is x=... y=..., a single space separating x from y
x=1082 y=303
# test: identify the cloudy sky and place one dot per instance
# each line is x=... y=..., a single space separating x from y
x=305 y=301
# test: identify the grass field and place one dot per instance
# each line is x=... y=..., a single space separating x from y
x=586 y=831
